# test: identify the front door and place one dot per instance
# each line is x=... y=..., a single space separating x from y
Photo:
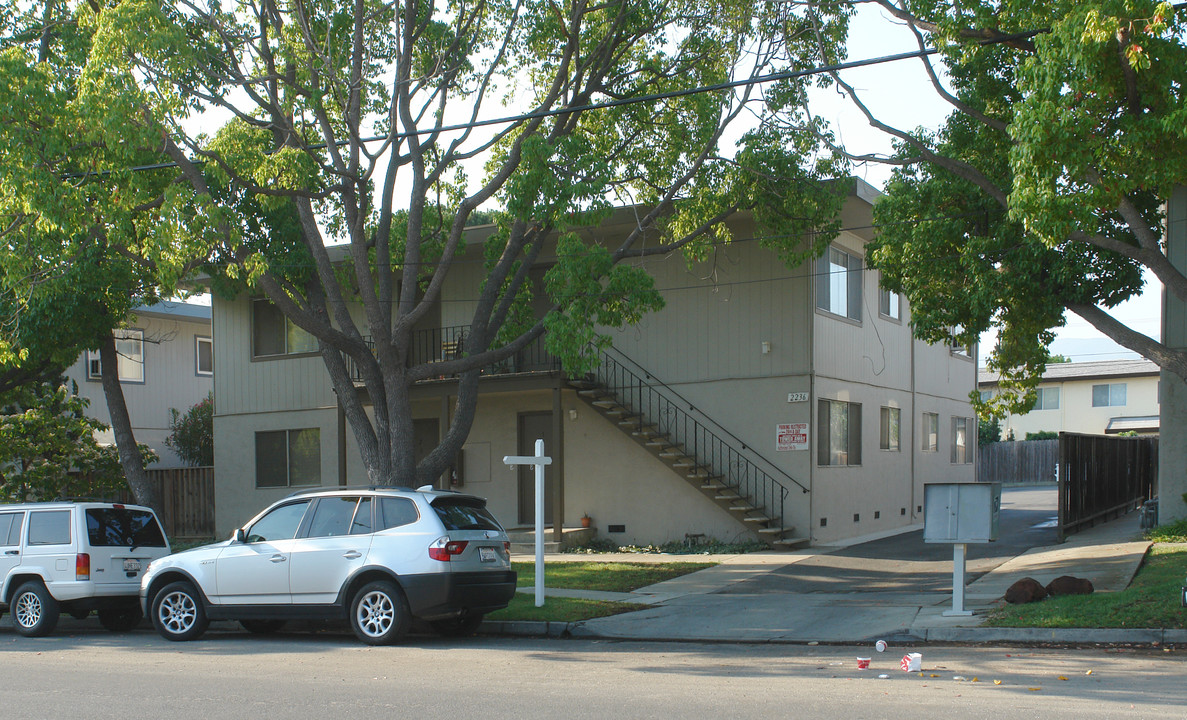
x=256 y=572
x=11 y=525
x=534 y=426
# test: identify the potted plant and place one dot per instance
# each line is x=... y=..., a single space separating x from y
x=586 y=520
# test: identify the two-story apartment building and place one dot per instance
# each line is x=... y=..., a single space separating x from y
x=763 y=402
x=166 y=360
x=1098 y=398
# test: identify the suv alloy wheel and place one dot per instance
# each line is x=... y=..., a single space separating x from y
x=177 y=612
x=34 y=610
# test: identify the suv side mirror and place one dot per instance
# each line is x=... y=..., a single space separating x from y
x=240 y=535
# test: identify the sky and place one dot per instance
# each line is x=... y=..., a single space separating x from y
x=901 y=95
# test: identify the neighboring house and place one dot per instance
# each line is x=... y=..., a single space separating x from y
x=1097 y=398
x=1172 y=443
x=769 y=403
x=166 y=360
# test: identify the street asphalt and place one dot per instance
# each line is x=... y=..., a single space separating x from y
x=895 y=588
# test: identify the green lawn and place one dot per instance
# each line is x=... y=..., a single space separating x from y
x=1153 y=600
x=604 y=576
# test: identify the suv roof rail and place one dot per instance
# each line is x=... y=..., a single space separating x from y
x=86 y=499
x=347 y=488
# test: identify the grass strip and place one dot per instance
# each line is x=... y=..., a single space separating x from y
x=1152 y=600
x=604 y=576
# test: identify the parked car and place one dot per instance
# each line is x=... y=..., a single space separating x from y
x=75 y=557
x=377 y=557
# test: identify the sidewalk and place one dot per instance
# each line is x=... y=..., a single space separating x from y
x=693 y=607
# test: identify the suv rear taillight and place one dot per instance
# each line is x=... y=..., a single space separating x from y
x=445 y=549
x=82 y=566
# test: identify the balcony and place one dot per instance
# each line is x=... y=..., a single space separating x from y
x=439 y=344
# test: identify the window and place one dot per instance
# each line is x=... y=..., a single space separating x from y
x=332 y=516
x=395 y=512
x=274 y=334
x=888 y=433
x=288 y=458
x=203 y=355
x=888 y=304
x=362 y=518
x=839 y=433
x=1112 y=395
x=129 y=348
x=986 y=395
x=962 y=434
x=931 y=432
x=838 y=283
x=1047 y=399
x=280 y=524
x=122 y=527
x=49 y=528
x=10 y=528
x=464 y=514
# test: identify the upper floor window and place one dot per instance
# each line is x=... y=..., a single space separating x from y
x=203 y=355
x=274 y=334
x=888 y=304
x=1047 y=399
x=129 y=349
x=986 y=395
x=1111 y=395
x=838 y=283
x=839 y=433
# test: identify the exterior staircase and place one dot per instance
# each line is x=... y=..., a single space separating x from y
x=701 y=452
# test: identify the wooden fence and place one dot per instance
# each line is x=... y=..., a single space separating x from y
x=1102 y=477
x=187 y=501
x=1020 y=461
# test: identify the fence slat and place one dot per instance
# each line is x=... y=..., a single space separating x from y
x=187 y=501
x=1019 y=461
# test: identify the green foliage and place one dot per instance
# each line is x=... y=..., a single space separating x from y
x=1042 y=435
x=988 y=431
x=604 y=576
x=48 y=448
x=1175 y=532
x=1044 y=194
x=192 y=434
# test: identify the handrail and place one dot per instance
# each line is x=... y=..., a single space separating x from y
x=743 y=443
x=653 y=411
x=445 y=343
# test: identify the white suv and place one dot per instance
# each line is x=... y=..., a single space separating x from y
x=378 y=557
x=75 y=557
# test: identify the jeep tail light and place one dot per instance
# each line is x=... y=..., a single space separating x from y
x=507 y=549
x=445 y=549
x=82 y=566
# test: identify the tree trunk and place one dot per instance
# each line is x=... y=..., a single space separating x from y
x=121 y=426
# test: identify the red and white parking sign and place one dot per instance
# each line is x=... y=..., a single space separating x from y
x=791 y=436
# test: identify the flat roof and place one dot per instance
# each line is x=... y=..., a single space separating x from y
x=175 y=309
x=1084 y=371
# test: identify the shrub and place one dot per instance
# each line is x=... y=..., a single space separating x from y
x=192 y=436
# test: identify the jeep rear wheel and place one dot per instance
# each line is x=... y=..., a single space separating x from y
x=34 y=611
x=379 y=613
x=177 y=612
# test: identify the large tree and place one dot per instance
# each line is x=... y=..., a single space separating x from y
x=384 y=127
x=1040 y=195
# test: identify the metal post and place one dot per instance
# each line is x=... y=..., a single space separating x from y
x=958 y=557
x=539 y=460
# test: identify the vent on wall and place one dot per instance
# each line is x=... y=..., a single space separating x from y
x=856 y=517
x=877 y=514
x=823 y=522
x=616 y=528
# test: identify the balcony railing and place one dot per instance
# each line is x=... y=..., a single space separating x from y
x=439 y=344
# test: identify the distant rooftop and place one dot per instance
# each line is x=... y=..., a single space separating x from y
x=176 y=309
x=1084 y=370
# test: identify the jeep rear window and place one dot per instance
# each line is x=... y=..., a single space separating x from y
x=464 y=514
x=122 y=527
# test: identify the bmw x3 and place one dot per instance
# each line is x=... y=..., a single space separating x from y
x=376 y=557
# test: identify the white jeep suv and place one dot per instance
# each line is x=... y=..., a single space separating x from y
x=75 y=557
x=377 y=557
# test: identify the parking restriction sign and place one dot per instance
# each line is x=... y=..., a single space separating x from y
x=791 y=436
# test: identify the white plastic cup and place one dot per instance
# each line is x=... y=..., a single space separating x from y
x=880 y=646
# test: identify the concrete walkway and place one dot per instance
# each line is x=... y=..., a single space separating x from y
x=696 y=607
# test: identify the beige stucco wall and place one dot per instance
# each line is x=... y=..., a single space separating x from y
x=1076 y=413
x=170 y=381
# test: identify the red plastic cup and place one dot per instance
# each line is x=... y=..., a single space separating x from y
x=863 y=663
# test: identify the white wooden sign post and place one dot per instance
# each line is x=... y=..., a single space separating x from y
x=539 y=460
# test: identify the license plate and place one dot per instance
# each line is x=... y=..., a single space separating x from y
x=132 y=566
x=486 y=554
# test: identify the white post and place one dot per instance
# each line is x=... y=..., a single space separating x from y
x=539 y=461
x=958 y=557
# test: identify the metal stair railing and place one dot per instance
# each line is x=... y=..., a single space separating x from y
x=699 y=437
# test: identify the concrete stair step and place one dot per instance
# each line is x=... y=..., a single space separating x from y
x=755 y=518
x=791 y=543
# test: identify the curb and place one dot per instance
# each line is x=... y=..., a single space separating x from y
x=970 y=636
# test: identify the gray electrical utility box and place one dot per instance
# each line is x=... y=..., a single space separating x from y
x=961 y=512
